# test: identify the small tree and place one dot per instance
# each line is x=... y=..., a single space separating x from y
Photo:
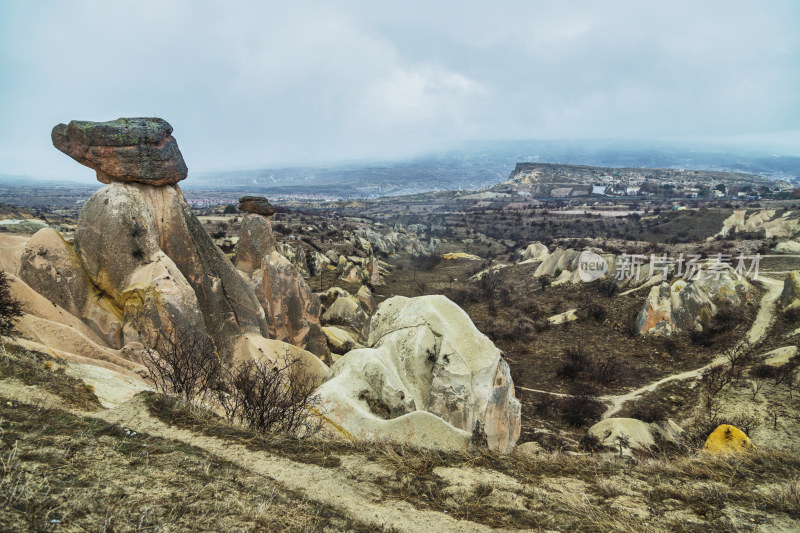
x=183 y=362
x=10 y=308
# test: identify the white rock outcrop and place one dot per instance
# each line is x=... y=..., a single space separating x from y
x=630 y=433
x=427 y=378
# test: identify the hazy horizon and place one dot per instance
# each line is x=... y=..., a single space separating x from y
x=251 y=84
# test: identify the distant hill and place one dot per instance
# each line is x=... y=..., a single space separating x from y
x=478 y=165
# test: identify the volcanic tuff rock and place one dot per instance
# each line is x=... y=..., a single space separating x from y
x=427 y=379
x=49 y=265
x=144 y=247
x=630 y=433
x=257 y=205
x=687 y=306
x=291 y=309
x=256 y=241
x=781 y=226
x=563 y=264
x=790 y=296
x=346 y=311
x=140 y=247
x=139 y=150
x=296 y=255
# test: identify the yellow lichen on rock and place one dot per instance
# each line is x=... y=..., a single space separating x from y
x=728 y=439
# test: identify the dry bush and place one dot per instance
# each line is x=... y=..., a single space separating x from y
x=425 y=262
x=10 y=308
x=183 y=362
x=649 y=412
x=274 y=397
x=580 y=365
x=608 y=288
x=582 y=407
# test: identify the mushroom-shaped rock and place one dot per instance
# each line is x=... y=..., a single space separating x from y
x=257 y=205
x=144 y=248
x=728 y=439
x=428 y=378
x=139 y=150
x=256 y=241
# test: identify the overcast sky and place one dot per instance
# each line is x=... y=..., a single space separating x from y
x=248 y=84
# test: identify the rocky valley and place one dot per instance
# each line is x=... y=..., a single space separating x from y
x=514 y=358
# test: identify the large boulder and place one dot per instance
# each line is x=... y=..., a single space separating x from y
x=346 y=311
x=534 y=252
x=307 y=367
x=727 y=439
x=428 y=378
x=257 y=205
x=139 y=150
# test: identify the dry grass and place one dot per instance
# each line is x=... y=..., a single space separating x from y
x=60 y=472
x=550 y=491
x=45 y=372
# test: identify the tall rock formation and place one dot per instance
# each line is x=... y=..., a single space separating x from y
x=139 y=243
x=290 y=307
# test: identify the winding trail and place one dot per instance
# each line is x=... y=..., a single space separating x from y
x=766 y=313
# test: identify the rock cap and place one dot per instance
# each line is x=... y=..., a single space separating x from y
x=258 y=205
x=139 y=150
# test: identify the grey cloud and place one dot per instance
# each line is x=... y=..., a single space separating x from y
x=250 y=83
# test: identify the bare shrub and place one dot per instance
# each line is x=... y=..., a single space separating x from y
x=425 y=262
x=582 y=406
x=606 y=371
x=10 y=308
x=715 y=379
x=650 y=412
x=183 y=362
x=727 y=317
x=274 y=397
x=595 y=311
x=578 y=364
x=738 y=355
x=608 y=288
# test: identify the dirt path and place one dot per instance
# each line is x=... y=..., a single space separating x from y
x=338 y=487
x=346 y=488
x=760 y=325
